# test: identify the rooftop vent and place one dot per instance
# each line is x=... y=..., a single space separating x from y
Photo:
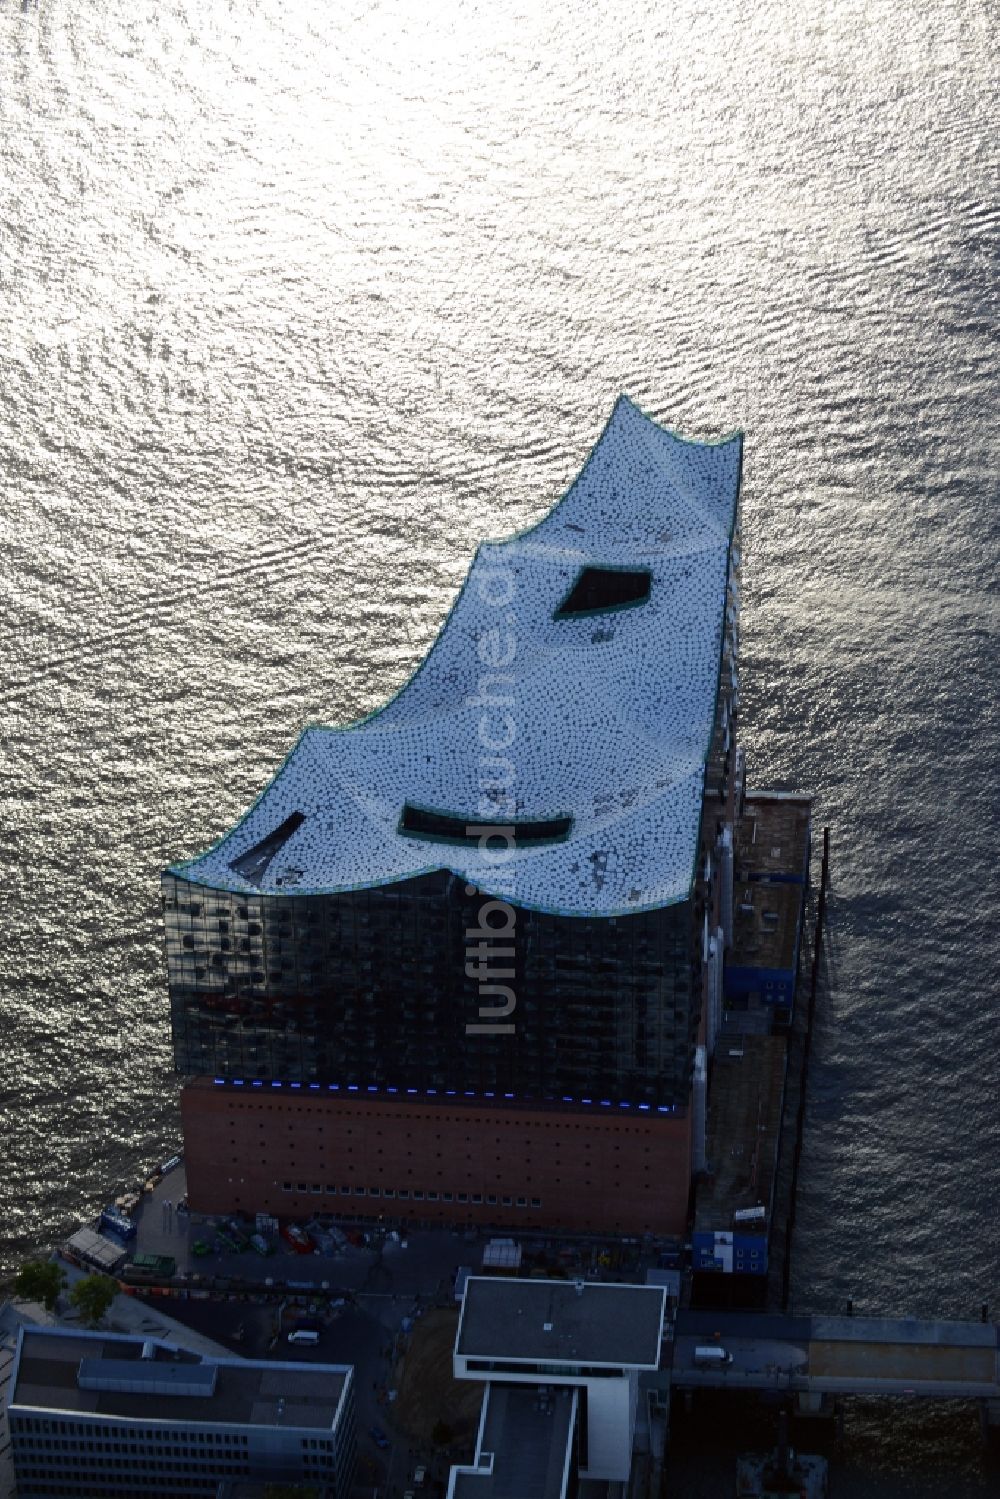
x=253 y=864
x=147 y=1377
x=598 y=590
x=443 y=827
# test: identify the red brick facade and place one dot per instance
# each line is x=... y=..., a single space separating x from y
x=296 y=1154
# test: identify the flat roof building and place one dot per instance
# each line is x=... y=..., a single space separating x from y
x=559 y=1322
x=562 y=1361
x=97 y=1414
x=526 y=1447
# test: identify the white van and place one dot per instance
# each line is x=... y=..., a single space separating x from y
x=304 y=1335
x=711 y=1356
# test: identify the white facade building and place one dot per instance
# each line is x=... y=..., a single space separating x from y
x=562 y=1360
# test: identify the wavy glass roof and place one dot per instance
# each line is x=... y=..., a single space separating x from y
x=570 y=694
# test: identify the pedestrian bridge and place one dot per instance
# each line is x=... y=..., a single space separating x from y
x=839 y=1355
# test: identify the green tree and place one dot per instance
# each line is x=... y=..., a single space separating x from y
x=442 y=1434
x=92 y=1296
x=40 y=1280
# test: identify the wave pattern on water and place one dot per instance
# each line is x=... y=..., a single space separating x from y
x=296 y=308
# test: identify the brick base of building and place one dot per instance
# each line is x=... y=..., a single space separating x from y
x=297 y=1154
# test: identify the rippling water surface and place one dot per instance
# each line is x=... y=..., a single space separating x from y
x=296 y=304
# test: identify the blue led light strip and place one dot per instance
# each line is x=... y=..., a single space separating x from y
x=604 y=1103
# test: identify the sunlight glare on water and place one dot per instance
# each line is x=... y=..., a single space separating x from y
x=298 y=304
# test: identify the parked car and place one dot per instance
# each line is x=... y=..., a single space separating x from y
x=296 y=1238
x=379 y=1437
x=712 y=1356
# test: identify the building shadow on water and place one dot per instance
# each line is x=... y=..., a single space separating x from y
x=890 y=1449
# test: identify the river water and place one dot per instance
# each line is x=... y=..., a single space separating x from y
x=297 y=303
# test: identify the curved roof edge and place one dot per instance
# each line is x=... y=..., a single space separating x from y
x=736 y=436
x=180 y=872
x=183 y=869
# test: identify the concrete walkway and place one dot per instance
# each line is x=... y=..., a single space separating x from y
x=128 y=1315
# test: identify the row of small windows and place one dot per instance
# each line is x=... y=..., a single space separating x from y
x=339 y=923
x=439 y=1155
x=50 y=1426
x=417 y=1194
x=142 y=1461
x=502 y=1366
x=286 y=910
x=66 y=1485
x=75 y=1456
x=605 y=1126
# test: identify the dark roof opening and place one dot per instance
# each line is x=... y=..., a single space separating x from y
x=420 y=822
x=253 y=864
x=600 y=589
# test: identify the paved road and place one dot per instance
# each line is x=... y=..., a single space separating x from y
x=819 y=1356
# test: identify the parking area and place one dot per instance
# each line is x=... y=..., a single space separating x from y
x=246 y=1283
x=353 y=1255
x=372 y=1334
x=217 y=1251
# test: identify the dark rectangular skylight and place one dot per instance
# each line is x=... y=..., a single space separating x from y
x=421 y=822
x=600 y=589
x=252 y=865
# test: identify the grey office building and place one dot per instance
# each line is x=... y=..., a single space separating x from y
x=94 y=1414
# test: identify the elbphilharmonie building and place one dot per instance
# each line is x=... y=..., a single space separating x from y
x=477 y=937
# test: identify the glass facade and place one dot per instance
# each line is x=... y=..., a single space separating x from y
x=317 y=944
x=421 y=984
x=379 y=987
